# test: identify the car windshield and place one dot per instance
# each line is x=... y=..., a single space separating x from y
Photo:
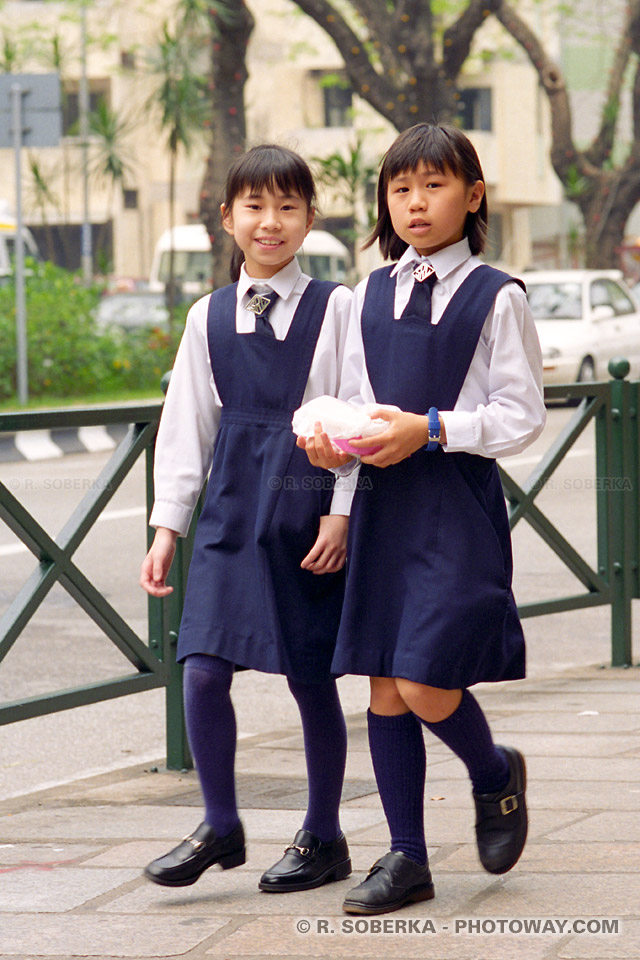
x=189 y=266
x=555 y=301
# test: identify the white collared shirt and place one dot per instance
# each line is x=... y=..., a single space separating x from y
x=500 y=409
x=191 y=412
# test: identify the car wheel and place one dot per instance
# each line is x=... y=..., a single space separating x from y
x=586 y=374
x=587 y=371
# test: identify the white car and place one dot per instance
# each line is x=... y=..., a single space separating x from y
x=583 y=319
x=131 y=309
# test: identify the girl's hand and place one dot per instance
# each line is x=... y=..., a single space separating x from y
x=406 y=433
x=321 y=451
x=329 y=552
x=157 y=563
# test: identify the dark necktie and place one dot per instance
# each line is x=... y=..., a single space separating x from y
x=260 y=304
x=419 y=304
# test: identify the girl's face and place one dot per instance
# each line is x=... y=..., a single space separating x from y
x=269 y=227
x=428 y=209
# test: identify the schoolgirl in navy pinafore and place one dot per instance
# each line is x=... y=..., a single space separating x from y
x=247 y=600
x=428 y=593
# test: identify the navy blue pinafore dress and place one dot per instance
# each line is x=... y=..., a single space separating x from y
x=247 y=599
x=429 y=567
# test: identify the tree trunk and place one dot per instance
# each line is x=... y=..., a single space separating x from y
x=230 y=36
x=391 y=56
x=605 y=195
x=605 y=214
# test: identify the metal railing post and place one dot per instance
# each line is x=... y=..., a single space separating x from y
x=166 y=614
x=621 y=491
x=633 y=451
x=178 y=752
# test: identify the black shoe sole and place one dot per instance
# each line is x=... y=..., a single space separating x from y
x=227 y=862
x=418 y=895
x=339 y=871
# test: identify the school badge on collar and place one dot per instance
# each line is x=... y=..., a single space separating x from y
x=422 y=272
x=258 y=304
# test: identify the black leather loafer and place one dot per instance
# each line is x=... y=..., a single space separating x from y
x=501 y=819
x=187 y=862
x=308 y=863
x=392 y=881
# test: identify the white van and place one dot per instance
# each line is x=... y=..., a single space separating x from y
x=8 y=242
x=322 y=256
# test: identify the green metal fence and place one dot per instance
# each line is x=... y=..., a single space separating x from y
x=613 y=405
x=153 y=662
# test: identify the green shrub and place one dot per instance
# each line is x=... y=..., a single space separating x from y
x=68 y=353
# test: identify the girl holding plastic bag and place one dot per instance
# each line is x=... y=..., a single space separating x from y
x=429 y=609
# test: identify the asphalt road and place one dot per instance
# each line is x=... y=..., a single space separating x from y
x=61 y=647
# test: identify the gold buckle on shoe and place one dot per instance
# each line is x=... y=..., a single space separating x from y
x=303 y=851
x=196 y=844
x=508 y=805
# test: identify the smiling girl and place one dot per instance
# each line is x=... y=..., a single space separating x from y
x=265 y=583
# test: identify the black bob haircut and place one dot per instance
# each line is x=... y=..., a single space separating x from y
x=272 y=167
x=440 y=147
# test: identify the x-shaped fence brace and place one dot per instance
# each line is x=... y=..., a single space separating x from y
x=521 y=505
x=56 y=566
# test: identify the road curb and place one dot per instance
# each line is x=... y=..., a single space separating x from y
x=33 y=445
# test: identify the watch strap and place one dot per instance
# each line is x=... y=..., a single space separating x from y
x=434 y=429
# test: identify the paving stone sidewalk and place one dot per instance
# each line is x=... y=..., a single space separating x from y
x=71 y=857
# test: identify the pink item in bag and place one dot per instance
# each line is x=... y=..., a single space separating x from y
x=358 y=451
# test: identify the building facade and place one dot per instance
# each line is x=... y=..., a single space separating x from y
x=297 y=94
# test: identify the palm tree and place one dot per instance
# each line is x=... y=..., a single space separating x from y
x=9 y=54
x=42 y=196
x=181 y=98
x=110 y=162
x=228 y=24
x=349 y=174
x=54 y=53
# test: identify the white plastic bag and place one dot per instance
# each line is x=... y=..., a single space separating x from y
x=340 y=419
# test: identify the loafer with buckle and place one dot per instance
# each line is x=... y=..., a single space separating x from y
x=501 y=819
x=392 y=881
x=186 y=863
x=307 y=863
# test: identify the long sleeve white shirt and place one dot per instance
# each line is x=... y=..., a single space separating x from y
x=191 y=413
x=500 y=408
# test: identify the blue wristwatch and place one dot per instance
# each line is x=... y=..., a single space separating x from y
x=434 y=429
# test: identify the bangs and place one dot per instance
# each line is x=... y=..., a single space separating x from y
x=426 y=144
x=274 y=169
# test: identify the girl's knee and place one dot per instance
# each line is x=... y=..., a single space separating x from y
x=432 y=704
x=313 y=693
x=204 y=672
x=385 y=698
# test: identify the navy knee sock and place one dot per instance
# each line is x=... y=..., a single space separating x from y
x=399 y=763
x=467 y=733
x=211 y=726
x=325 y=746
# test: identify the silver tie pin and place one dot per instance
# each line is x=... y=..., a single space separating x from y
x=258 y=304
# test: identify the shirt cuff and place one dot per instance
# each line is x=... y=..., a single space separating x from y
x=342 y=496
x=174 y=516
x=461 y=429
x=347 y=468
